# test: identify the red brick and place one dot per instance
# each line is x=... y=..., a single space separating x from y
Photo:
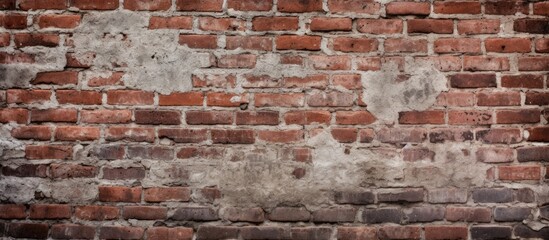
x=294 y=42
x=96 y=213
x=468 y=214
x=220 y=99
x=169 y=233
x=221 y=24
x=537 y=98
x=54 y=115
x=28 y=230
x=508 y=45
x=307 y=117
x=299 y=6
x=275 y=23
x=12 y=58
x=181 y=99
x=72 y=171
x=217 y=232
x=421 y=117
x=58 y=21
x=334 y=215
x=27 y=96
x=149 y=152
x=456 y=7
x=319 y=81
x=405 y=45
x=408 y=8
x=399 y=232
x=119 y=194
x=520 y=116
x=250 y=5
x=199 y=5
x=357 y=233
x=49 y=211
x=331 y=24
x=76 y=133
x=177 y=22
x=255 y=215
x=354 y=118
x=105 y=116
x=354 y=6
x=157 y=117
x=72 y=231
x=12 y=211
x=537 y=153
x=498 y=99
x=27 y=170
x=457 y=45
x=417 y=154
x=167 y=194
x=344 y=135
x=542 y=45
x=249 y=43
x=446 y=232
x=541 y=8
x=133 y=134
x=233 y=136
x=95 y=4
x=46 y=4
x=17 y=115
x=348 y=81
x=120 y=232
x=80 y=60
x=57 y=78
x=209 y=117
x=36 y=39
x=4 y=39
x=79 y=97
x=62 y=152
x=147 y=5
x=538 y=134
x=257 y=118
x=347 y=44
x=199 y=41
x=330 y=99
x=519 y=173
x=465 y=80
x=289 y=214
x=237 y=61
x=7 y=4
x=13 y=21
x=379 y=26
x=469 y=117
x=499 y=135
x=454 y=134
x=36 y=132
x=484 y=26
x=114 y=79
x=533 y=63
x=145 y=212
x=430 y=26
x=324 y=62
x=481 y=63
x=183 y=135
x=366 y=135
x=532 y=25
x=280 y=136
x=522 y=81
x=279 y=99
x=129 y=97
x=505 y=7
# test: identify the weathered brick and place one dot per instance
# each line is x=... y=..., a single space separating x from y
x=62 y=152
x=144 y=212
x=399 y=232
x=27 y=170
x=408 y=8
x=123 y=173
x=538 y=134
x=49 y=211
x=359 y=198
x=334 y=215
x=72 y=231
x=511 y=214
x=468 y=214
x=538 y=153
x=356 y=233
x=120 y=232
x=404 y=195
x=28 y=230
x=354 y=6
x=493 y=195
x=96 y=213
x=441 y=232
x=195 y=214
x=490 y=232
x=380 y=26
x=425 y=214
x=254 y=215
x=289 y=214
x=209 y=232
x=382 y=215
x=519 y=173
x=119 y=194
x=12 y=211
x=72 y=171
x=299 y=6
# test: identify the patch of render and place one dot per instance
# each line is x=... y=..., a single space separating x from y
x=454 y=165
x=18 y=190
x=152 y=60
x=19 y=75
x=386 y=94
x=10 y=147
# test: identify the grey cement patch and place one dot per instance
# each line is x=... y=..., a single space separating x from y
x=152 y=59
x=386 y=94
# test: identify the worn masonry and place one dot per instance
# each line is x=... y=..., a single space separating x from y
x=274 y=119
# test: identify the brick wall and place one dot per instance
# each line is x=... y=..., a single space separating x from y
x=274 y=119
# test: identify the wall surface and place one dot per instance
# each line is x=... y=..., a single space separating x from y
x=274 y=119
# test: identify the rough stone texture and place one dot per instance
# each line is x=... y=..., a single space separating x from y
x=264 y=119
